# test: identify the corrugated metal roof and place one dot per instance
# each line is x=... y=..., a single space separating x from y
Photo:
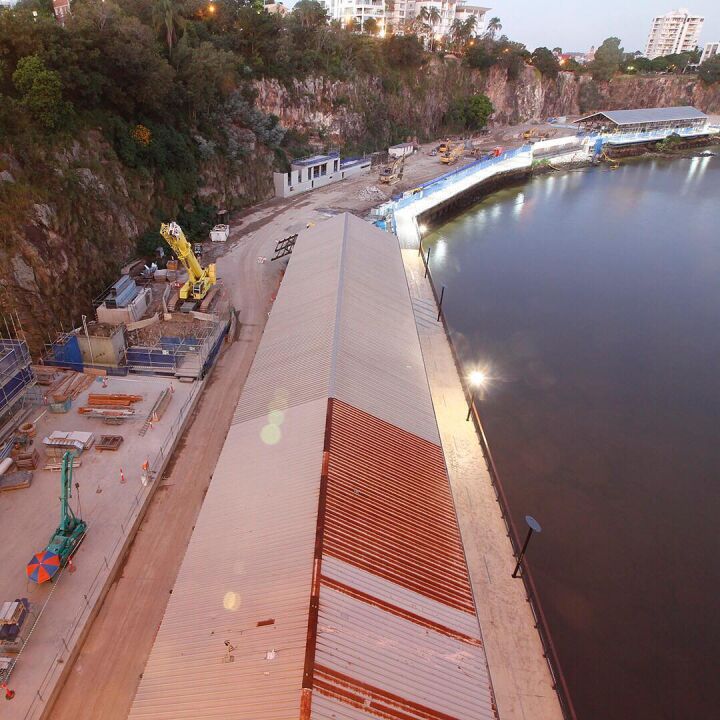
x=646 y=115
x=250 y=561
x=327 y=551
x=390 y=510
x=341 y=327
x=397 y=635
x=391 y=667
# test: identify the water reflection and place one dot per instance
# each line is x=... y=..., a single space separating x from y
x=596 y=297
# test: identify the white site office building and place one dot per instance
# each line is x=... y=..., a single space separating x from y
x=710 y=50
x=674 y=32
x=405 y=11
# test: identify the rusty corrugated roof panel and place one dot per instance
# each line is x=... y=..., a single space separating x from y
x=245 y=578
x=390 y=510
x=393 y=667
x=342 y=326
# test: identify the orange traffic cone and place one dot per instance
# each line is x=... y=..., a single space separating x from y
x=122 y=476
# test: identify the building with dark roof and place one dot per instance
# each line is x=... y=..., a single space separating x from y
x=642 y=120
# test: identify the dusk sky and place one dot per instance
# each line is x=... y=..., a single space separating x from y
x=574 y=25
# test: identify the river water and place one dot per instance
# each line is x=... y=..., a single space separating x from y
x=592 y=298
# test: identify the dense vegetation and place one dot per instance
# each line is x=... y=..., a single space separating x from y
x=169 y=83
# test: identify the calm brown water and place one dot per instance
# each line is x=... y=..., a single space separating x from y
x=593 y=298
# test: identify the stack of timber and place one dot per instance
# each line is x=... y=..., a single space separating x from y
x=62 y=385
x=55 y=463
x=100 y=400
x=27 y=460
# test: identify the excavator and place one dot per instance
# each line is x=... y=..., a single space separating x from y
x=453 y=154
x=200 y=279
x=71 y=531
x=392 y=173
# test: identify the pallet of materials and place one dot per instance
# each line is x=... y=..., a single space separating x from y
x=74 y=439
x=15 y=480
x=109 y=442
x=55 y=463
x=13 y=616
x=112 y=401
x=122 y=413
x=27 y=460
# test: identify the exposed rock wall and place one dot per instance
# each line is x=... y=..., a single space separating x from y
x=70 y=220
x=370 y=113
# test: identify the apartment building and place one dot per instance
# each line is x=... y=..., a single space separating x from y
x=405 y=11
x=674 y=32
x=347 y=10
x=710 y=50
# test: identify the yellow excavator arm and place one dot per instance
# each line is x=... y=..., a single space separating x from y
x=200 y=279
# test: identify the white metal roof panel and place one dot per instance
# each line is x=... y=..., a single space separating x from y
x=643 y=115
x=365 y=651
x=385 y=591
x=343 y=326
x=380 y=368
x=250 y=561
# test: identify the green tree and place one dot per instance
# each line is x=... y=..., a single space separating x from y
x=167 y=17
x=545 y=62
x=40 y=91
x=469 y=113
x=710 y=70
x=370 y=26
x=608 y=58
x=310 y=14
x=494 y=26
x=403 y=51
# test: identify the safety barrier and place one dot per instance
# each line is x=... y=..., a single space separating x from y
x=444 y=181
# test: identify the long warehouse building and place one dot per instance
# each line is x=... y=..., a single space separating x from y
x=326 y=577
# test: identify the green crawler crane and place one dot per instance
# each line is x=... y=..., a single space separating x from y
x=71 y=531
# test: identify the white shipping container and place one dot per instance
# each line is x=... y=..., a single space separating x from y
x=220 y=233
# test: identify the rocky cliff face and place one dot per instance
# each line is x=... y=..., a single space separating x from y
x=71 y=218
x=369 y=113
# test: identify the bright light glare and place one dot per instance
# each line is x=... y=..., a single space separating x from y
x=423 y=229
x=477 y=378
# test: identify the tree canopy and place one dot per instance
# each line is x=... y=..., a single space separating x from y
x=608 y=58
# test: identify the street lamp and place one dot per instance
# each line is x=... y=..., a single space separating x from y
x=533 y=526
x=477 y=380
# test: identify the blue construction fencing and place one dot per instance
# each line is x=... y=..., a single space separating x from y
x=440 y=183
x=15 y=371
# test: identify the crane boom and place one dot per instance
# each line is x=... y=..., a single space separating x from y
x=200 y=279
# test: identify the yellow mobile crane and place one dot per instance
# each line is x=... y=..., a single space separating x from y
x=200 y=279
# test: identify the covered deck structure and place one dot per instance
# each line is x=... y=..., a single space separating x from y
x=644 y=120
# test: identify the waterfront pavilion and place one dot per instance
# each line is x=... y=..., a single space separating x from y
x=643 y=120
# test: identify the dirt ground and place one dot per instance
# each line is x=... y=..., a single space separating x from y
x=105 y=676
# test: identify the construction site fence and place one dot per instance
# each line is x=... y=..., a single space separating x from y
x=15 y=371
x=531 y=593
x=444 y=181
x=102 y=578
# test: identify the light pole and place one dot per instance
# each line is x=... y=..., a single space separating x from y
x=477 y=380
x=533 y=526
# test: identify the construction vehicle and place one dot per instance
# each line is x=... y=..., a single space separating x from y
x=392 y=173
x=200 y=279
x=529 y=134
x=454 y=153
x=71 y=531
